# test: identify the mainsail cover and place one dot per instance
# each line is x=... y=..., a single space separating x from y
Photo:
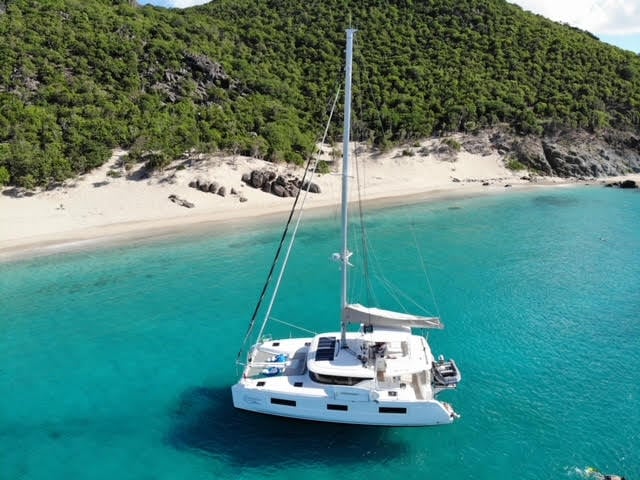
x=359 y=314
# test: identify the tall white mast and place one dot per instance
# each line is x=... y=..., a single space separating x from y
x=345 y=180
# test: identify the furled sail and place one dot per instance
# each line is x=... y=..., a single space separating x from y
x=358 y=314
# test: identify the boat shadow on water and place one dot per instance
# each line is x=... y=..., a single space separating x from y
x=205 y=421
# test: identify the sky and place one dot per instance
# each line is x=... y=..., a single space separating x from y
x=613 y=21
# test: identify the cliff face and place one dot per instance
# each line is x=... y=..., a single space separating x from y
x=574 y=154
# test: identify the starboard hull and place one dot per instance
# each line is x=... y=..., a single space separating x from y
x=336 y=409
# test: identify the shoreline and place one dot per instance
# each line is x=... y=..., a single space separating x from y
x=119 y=234
x=98 y=210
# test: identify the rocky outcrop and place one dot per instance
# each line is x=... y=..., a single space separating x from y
x=576 y=154
x=280 y=185
x=210 y=187
x=200 y=69
x=207 y=71
x=624 y=184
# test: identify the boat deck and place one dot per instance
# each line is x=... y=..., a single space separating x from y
x=281 y=366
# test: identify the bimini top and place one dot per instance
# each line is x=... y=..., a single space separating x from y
x=377 y=317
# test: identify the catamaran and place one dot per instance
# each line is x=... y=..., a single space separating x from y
x=377 y=370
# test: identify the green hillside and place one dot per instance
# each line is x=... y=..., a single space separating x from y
x=80 y=77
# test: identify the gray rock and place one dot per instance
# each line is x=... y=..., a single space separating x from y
x=257 y=178
x=574 y=154
x=279 y=185
x=278 y=190
x=212 y=71
x=181 y=201
x=312 y=187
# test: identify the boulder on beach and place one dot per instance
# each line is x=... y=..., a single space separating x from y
x=279 y=185
x=181 y=201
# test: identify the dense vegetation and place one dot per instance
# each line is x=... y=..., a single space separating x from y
x=80 y=77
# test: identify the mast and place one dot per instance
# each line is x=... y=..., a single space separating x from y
x=345 y=181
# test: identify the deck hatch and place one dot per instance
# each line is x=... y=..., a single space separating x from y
x=326 y=348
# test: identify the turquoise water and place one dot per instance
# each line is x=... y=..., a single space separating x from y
x=117 y=363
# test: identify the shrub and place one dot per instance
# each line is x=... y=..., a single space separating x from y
x=452 y=143
x=5 y=177
x=27 y=181
x=514 y=164
x=323 y=167
x=156 y=160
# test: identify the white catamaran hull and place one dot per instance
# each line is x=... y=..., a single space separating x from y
x=335 y=407
x=279 y=381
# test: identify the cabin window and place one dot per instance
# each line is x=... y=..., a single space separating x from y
x=335 y=380
x=297 y=384
x=392 y=410
x=260 y=384
x=283 y=401
x=331 y=406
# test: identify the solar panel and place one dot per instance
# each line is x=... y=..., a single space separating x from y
x=326 y=348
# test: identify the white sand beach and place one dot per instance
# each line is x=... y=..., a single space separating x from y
x=102 y=207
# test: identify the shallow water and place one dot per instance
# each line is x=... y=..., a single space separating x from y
x=117 y=363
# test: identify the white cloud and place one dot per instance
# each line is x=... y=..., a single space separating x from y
x=611 y=17
x=186 y=3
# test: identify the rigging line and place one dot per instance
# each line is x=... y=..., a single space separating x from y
x=366 y=277
x=293 y=325
x=297 y=224
x=424 y=270
x=282 y=240
x=398 y=294
x=370 y=260
x=365 y=244
x=363 y=235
